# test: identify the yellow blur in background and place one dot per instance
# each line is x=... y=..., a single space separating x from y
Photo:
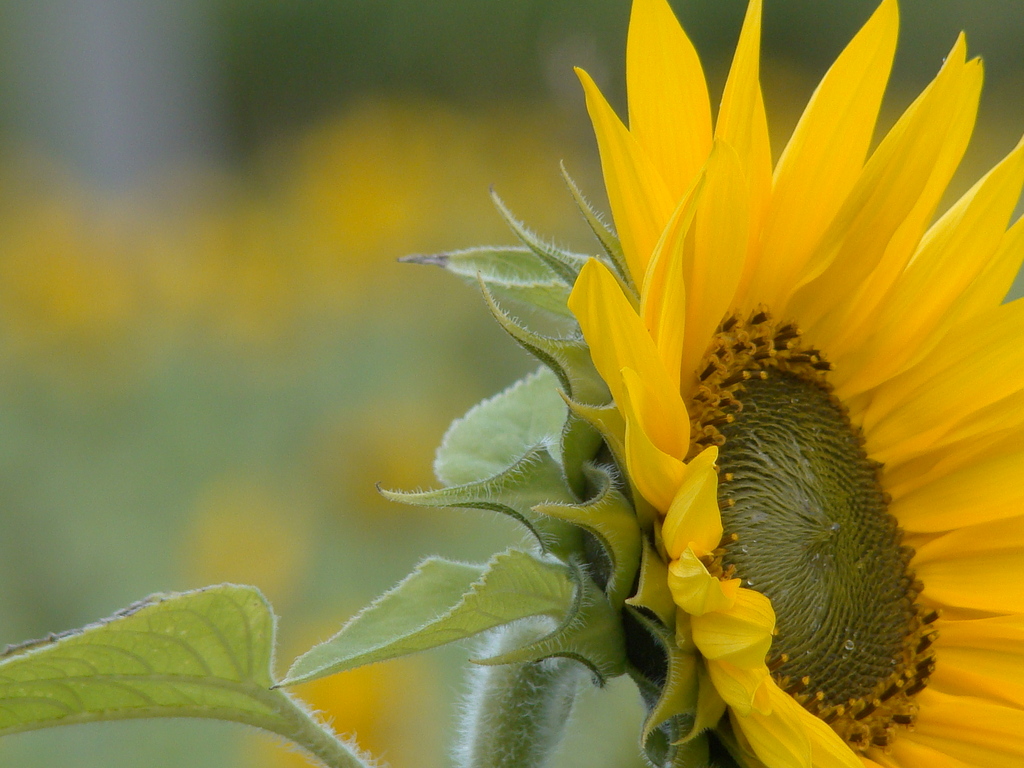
x=232 y=364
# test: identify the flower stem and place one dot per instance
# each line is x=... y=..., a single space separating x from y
x=515 y=714
x=299 y=726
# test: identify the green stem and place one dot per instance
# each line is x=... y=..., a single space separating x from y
x=302 y=728
x=515 y=714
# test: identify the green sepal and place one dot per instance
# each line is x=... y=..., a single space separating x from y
x=535 y=479
x=580 y=444
x=678 y=694
x=443 y=602
x=608 y=239
x=729 y=753
x=568 y=358
x=692 y=754
x=563 y=263
x=590 y=633
x=608 y=421
x=496 y=433
x=652 y=593
x=513 y=272
x=610 y=518
x=674 y=718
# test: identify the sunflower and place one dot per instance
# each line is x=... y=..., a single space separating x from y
x=823 y=394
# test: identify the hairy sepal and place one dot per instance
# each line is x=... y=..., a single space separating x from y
x=511 y=272
x=668 y=681
x=610 y=519
x=535 y=479
x=563 y=263
x=604 y=233
x=568 y=358
x=590 y=632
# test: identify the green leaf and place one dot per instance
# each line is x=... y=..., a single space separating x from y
x=203 y=654
x=439 y=603
x=496 y=433
x=512 y=272
x=536 y=478
x=564 y=264
x=199 y=654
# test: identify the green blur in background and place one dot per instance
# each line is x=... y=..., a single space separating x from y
x=210 y=355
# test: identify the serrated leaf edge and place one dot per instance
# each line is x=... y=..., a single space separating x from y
x=474 y=588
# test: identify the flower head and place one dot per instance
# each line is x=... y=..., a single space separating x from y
x=822 y=394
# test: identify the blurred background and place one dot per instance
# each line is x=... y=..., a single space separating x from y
x=209 y=353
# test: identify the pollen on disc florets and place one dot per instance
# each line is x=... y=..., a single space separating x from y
x=806 y=523
x=741 y=351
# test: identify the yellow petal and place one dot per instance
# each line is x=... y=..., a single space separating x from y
x=907 y=753
x=741 y=634
x=663 y=295
x=978 y=363
x=695 y=590
x=693 y=519
x=779 y=738
x=847 y=328
x=954 y=252
x=827 y=749
x=684 y=635
x=788 y=735
x=715 y=265
x=999 y=633
x=978 y=566
x=981 y=657
x=745 y=690
x=906 y=477
x=641 y=203
x=825 y=155
x=883 y=218
x=656 y=474
x=742 y=123
x=669 y=110
x=618 y=339
x=657 y=413
x=1001 y=419
x=978 y=732
x=988 y=489
x=990 y=288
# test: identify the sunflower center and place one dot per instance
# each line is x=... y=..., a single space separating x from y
x=807 y=525
x=815 y=537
